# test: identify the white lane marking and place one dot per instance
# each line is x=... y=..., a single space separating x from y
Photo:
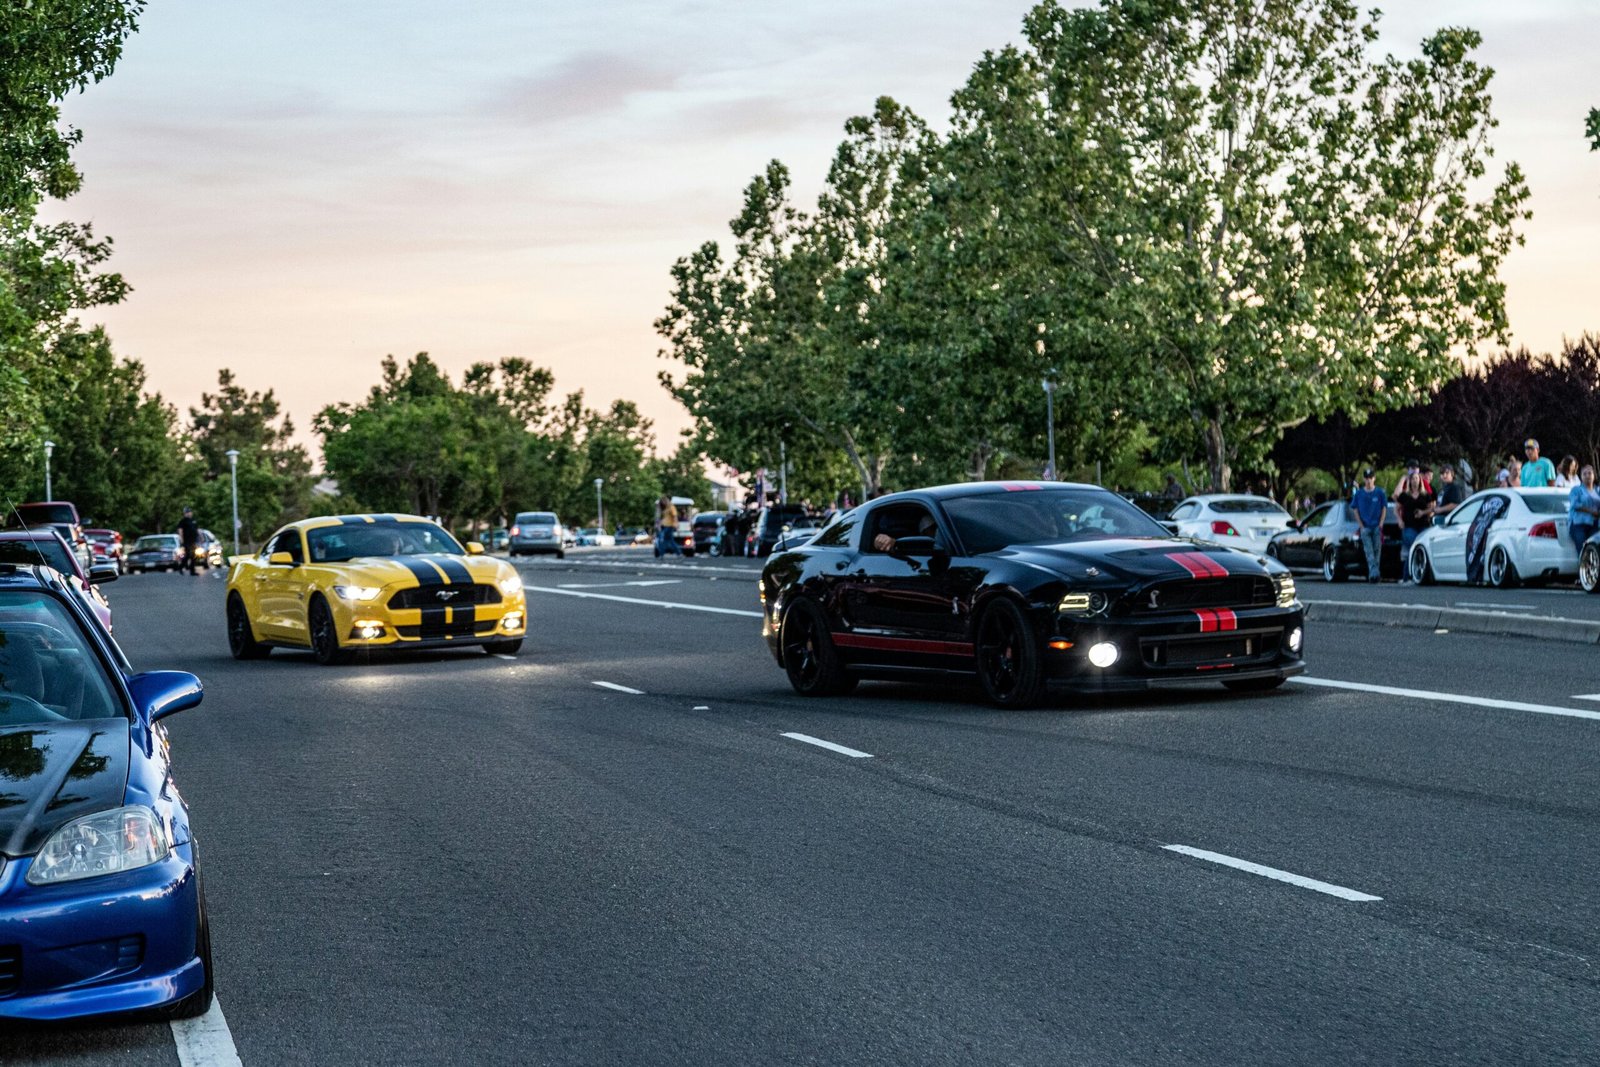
x=620 y=688
x=502 y=655
x=1451 y=698
x=206 y=1041
x=1272 y=872
x=614 y=585
x=650 y=603
x=1496 y=606
x=702 y=707
x=1587 y=696
x=829 y=745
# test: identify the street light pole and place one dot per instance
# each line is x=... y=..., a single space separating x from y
x=783 y=473
x=49 y=447
x=233 y=474
x=599 y=508
x=1050 y=418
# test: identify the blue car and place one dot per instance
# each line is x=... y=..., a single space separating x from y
x=101 y=907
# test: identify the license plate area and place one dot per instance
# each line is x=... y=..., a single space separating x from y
x=1179 y=653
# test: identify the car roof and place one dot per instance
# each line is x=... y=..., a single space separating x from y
x=1207 y=498
x=319 y=521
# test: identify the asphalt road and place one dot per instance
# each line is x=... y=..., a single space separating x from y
x=454 y=858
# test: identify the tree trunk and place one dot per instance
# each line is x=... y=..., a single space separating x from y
x=1217 y=456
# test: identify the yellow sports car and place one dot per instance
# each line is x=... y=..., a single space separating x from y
x=336 y=584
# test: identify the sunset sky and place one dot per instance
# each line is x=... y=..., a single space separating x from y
x=297 y=189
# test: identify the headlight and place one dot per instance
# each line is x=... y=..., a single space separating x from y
x=357 y=592
x=1283 y=585
x=510 y=584
x=1083 y=604
x=105 y=843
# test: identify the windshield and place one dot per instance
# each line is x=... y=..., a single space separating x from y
x=988 y=522
x=51 y=553
x=335 y=544
x=1251 y=505
x=1546 y=503
x=155 y=541
x=48 y=669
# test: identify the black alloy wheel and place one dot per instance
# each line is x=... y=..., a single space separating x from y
x=1421 y=569
x=241 y=637
x=1331 y=570
x=1501 y=572
x=1010 y=663
x=810 y=658
x=503 y=648
x=1589 y=568
x=1254 y=685
x=324 y=636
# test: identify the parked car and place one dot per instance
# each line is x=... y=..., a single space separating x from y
x=106 y=546
x=1327 y=540
x=1235 y=520
x=61 y=514
x=1513 y=534
x=594 y=537
x=768 y=527
x=155 y=552
x=103 y=909
x=537 y=533
x=796 y=532
x=707 y=528
x=45 y=548
x=208 y=550
x=498 y=539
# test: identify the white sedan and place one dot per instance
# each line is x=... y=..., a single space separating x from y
x=1234 y=520
x=1519 y=535
x=595 y=537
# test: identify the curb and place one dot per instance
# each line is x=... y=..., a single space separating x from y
x=676 y=570
x=1424 y=617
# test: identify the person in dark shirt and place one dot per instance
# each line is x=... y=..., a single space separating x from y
x=1451 y=491
x=1415 y=505
x=189 y=534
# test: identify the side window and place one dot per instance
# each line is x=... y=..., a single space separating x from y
x=837 y=535
x=1323 y=516
x=1183 y=512
x=1466 y=512
x=288 y=541
x=898 y=520
x=271 y=546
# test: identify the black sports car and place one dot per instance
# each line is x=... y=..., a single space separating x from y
x=1025 y=586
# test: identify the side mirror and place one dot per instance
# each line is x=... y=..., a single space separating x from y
x=157 y=694
x=102 y=572
x=474 y=548
x=281 y=559
x=914 y=546
x=1440 y=520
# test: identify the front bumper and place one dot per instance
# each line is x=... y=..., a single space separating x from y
x=377 y=626
x=534 y=548
x=121 y=942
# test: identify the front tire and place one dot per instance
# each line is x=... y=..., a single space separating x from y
x=713 y=550
x=1331 y=570
x=324 y=634
x=1253 y=685
x=810 y=658
x=1421 y=569
x=1501 y=572
x=241 y=635
x=1010 y=665
x=1589 y=568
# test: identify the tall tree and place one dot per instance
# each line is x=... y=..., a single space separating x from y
x=274 y=471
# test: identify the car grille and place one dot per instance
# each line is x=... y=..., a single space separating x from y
x=1203 y=652
x=427 y=596
x=1247 y=591
x=10 y=969
x=458 y=628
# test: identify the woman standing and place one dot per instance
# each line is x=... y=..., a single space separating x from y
x=1415 y=504
x=1567 y=473
x=1583 y=508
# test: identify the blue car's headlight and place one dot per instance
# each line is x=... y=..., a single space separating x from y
x=107 y=842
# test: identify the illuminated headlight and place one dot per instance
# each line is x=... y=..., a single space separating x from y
x=357 y=592
x=1083 y=604
x=510 y=585
x=1296 y=638
x=1283 y=585
x=1103 y=655
x=122 y=839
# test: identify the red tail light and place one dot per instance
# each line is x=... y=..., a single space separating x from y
x=516 y=531
x=1544 y=529
x=1223 y=527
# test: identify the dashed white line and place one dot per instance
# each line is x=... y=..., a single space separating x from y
x=830 y=746
x=1272 y=872
x=620 y=688
x=206 y=1041
x=1450 y=698
x=649 y=603
x=613 y=585
x=1587 y=696
x=502 y=655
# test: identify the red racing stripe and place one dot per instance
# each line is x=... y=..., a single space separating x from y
x=1208 y=620
x=1226 y=619
x=1205 y=563
x=1182 y=560
x=902 y=644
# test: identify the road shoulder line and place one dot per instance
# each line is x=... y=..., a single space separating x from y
x=1448 y=698
x=1428 y=617
x=206 y=1041
x=1276 y=875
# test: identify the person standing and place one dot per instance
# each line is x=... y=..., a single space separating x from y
x=1415 y=505
x=1451 y=491
x=189 y=534
x=1583 y=508
x=1369 y=503
x=666 y=527
x=1536 y=472
x=1567 y=472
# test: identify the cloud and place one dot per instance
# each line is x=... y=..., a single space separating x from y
x=583 y=86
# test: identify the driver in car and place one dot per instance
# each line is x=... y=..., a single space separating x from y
x=926 y=527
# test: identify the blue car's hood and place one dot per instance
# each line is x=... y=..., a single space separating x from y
x=52 y=773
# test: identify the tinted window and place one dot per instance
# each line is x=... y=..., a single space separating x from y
x=992 y=521
x=1247 y=506
x=1466 y=512
x=48 y=669
x=1327 y=515
x=536 y=518
x=42 y=514
x=51 y=553
x=1546 y=503
x=837 y=535
x=335 y=544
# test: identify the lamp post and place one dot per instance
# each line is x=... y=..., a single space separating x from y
x=599 y=506
x=1050 y=419
x=49 y=447
x=783 y=472
x=233 y=474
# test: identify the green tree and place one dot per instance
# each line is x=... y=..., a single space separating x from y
x=274 y=473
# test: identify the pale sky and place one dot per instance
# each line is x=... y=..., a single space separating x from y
x=297 y=189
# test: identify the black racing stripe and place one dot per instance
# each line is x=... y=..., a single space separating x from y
x=424 y=574
x=435 y=619
x=383 y=518
x=454 y=570
x=353 y=520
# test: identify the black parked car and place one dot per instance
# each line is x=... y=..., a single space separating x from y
x=1022 y=586
x=767 y=526
x=1327 y=541
x=707 y=529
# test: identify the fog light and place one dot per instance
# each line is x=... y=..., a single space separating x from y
x=1103 y=654
x=511 y=621
x=1296 y=636
x=367 y=629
